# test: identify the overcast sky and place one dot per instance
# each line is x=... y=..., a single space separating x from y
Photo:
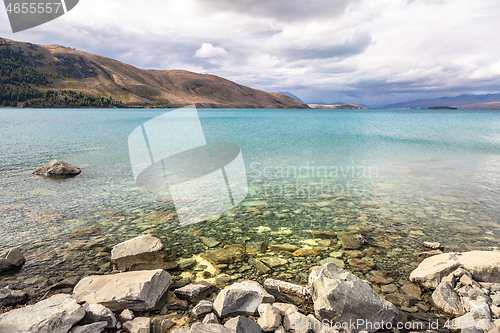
x=371 y=52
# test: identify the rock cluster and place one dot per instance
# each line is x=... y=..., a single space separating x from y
x=466 y=287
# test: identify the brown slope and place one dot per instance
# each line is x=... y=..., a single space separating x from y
x=93 y=74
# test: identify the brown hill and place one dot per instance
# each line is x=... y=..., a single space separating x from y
x=96 y=75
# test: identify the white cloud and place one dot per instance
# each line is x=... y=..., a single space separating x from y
x=207 y=50
x=360 y=51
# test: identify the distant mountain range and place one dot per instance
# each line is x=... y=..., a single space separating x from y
x=466 y=101
x=57 y=76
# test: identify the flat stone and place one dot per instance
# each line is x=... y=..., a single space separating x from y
x=363 y=265
x=57 y=168
x=194 y=291
x=85 y=231
x=9 y=297
x=210 y=328
x=210 y=241
x=401 y=300
x=306 y=252
x=256 y=247
x=381 y=280
x=143 y=249
x=447 y=300
x=11 y=259
x=274 y=261
x=412 y=290
x=228 y=255
x=483 y=265
x=430 y=271
x=433 y=245
x=99 y=313
x=56 y=314
x=324 y=234
x=97 y=327
x=283 y=247
x=351 y=241
x=138 y=325
x=336 y=261
x=141 y=290
x=340 y=296
x=203 y=307
x=260 y=266
x=243 y=325
x=241 y=298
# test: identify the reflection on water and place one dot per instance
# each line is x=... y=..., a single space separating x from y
x=400 y=178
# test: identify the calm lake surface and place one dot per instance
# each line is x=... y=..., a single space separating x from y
x=400 y=177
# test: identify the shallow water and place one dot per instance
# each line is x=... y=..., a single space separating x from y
x=401 y=177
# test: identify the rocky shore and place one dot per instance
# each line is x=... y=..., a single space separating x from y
x=141 y=294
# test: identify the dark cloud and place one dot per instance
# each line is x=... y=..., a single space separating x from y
x=351 y=46
x=289 y=10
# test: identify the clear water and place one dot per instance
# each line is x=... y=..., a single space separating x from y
x=427 y=175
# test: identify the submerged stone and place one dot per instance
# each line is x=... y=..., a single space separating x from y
x=57 y=168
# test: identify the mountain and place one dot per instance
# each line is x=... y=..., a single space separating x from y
x=57 y=76
x=466 y=101
x=336 y=106
x=289 y=94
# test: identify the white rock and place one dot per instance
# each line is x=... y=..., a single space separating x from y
x=126 y=315
x=141 y=290
x=138 y=325
x=431 y=270
x=54 y=315
x=296 y=322
x=284 y=307
x=270 y=317
x=211 y=318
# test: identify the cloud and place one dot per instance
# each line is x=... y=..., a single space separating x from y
x=358 y=51
x=207 y=50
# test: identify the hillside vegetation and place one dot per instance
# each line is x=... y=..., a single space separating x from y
x=55 y=76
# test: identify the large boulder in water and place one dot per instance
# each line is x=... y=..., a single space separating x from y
x=57 y=168
x=10 y=259
x=342 y=297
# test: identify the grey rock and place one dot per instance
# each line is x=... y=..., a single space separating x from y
x=98 y=313
x=194 y=291
x=270 y=317
x=56 y=314
x=280 y=329
x=340 y=296
x=243 y=325
x=241 y=299
x=97 y=327
x=296 y=322
x=211 y=318
x=447 y=300
x=144 y=249
x=11 y=259
x=140 y=290
x=138 y=325
x=9 y=297
x=203 y=307
x=57 y=168
x=480 y=310
x=210 y=328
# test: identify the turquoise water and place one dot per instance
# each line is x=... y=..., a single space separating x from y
x=427 y=175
